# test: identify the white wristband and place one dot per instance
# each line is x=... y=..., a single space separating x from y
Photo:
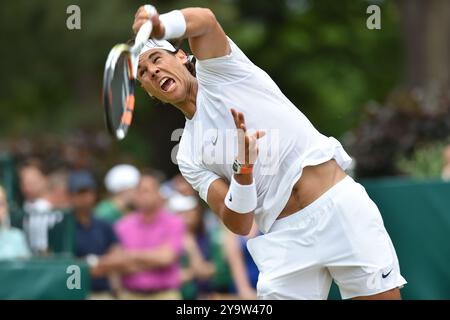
x=241 y=198
x=174 y=24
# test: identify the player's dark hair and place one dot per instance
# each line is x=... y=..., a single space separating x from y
x=191 y=65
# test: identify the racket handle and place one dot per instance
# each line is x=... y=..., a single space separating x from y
x=142 y=36
x=145 y=30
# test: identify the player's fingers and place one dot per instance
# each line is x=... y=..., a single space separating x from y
x=252 y=149
x=158 y=28
x=247 y=149
x=138 y=23
x=155 y=20
x=259 y=134
x=142 y=17
x=233 y=113
x=241 y=117
x=236 y=118
x=138 y=11
x=250 y=141
x=241 y=135
x=241 y=144
x=142 y=13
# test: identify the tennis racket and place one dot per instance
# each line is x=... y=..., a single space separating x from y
x=119 y=80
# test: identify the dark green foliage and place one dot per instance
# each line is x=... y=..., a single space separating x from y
x=402 y=128
x=319 y=52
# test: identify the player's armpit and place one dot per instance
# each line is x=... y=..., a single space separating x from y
x=237 y=223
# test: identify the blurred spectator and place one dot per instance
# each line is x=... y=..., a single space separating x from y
x=182 y=186
x=243 y=269
x=446 y=166
x=44 y=197
x=197 y=269
x=153 y=237
x=95 y=239
x=12 y=240
x=59 y=235
x=121 y=182
x=214 y=229
x=179 y=185
x=57 y=193
x=34 y=185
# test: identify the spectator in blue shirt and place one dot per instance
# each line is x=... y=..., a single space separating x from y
x=95 y=239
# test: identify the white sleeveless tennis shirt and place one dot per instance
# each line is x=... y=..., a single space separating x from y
x=208 y=145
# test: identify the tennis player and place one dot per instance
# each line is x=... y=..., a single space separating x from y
x=317 y=223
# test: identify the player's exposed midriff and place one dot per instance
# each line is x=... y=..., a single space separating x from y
x=314 y=182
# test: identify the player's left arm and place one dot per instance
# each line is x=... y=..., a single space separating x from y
x=237 y=223
x=232 y=201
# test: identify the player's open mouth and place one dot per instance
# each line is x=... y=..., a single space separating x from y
x=166 y=84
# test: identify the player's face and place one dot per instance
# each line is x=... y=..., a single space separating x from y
x=164 y=75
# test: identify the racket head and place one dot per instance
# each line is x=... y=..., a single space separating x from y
x=118 y=91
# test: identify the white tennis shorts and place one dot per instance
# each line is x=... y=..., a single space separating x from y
x=339 y=236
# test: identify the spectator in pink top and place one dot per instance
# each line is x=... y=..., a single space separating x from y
x=154 y=239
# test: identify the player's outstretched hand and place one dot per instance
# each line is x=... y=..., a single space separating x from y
x=142 y=17
x=247 y=143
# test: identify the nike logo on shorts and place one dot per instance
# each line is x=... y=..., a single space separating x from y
x=385 y=275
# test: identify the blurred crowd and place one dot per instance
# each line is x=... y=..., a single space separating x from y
x=141 y=235
x=144 y=238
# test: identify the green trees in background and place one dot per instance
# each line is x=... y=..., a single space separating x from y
x=403 y=136
x=323 y=56
x=319 y=52
x=406 y=133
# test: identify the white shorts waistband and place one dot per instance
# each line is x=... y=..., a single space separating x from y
x=323 y=201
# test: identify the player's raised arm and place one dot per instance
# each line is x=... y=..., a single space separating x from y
x=206 y=37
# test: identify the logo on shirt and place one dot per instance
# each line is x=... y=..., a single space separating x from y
x=231 y=198
x=215 y=149
x=214 y=139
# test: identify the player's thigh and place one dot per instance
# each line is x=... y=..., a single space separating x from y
x=366 y=263
x=309 y=284
x=393 y=294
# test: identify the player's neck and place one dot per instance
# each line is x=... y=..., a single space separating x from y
x=189 y=105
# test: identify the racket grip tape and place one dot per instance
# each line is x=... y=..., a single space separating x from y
x=129 y=103
x=127 y=116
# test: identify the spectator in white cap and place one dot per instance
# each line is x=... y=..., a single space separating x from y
x=120 y=182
